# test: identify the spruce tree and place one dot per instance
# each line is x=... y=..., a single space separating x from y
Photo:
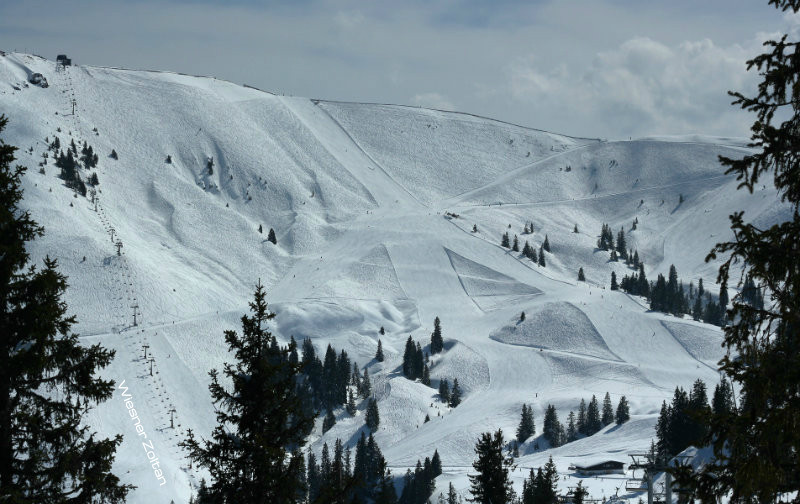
x=526 y=426
x=515 y=246
x=444 y=390
x=262 y=408
x=505 y=241
x=373 y=417
x=572 y=428
x=722 y=401
x=328 y=422
x=593 y=422
x=614 y=284
x=546 y=244
x=582 y=417
x=379 y=353
x=366 y=386
x=491 y=484
x=581 y=276
x=48 y=380
x=271 y=237
x=622 y=246
x=437 y=342
x=623 y=411
x=551 y=429
x=455 y=394
x=608 y=411
x=542 y=261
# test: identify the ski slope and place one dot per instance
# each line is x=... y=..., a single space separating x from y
x=357 y=195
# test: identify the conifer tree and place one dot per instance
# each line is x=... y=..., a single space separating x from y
x=582 y=417
x=505 y=241
x=572 y=428
x=546 y=244
x=455 y=394
x=264 y=410
x=622 y=246
x=351 y=403
x=271 y=237
x=551 y=429
x=526 y=427
x=542 y=261
x=328 y=422
x=593 y=422
x=722 y=401
x=437 y=342
x=426 y=375
x=444 y=390
x=623 y=411
x=491 y=484
x=581 y=276
x=373 y=417
x=48 y=380
x=515 y=247
x=526 y=249
x=379 y=353
x=614 y=284
x=575 y=229
x=608 y=411
x=366 y=386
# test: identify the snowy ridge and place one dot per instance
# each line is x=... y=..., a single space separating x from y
x=356 y=194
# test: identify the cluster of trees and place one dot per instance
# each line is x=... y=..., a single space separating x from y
x=683 y=422
x=69 y=162
x=450 y=396
x=327 y=382
x=418 y=486
x=69 y=172
x=589 y=420
x=528 y=251
x=541 y=486
x=415 y=362
x=491 y=483
x=619 y=249
x=668 y=295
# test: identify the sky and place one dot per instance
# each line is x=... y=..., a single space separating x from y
x=596 y=68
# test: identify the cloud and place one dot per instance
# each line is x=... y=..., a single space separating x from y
x=643 y=87
x=432 y=100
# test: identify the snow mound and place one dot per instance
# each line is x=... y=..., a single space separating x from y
x=556 y=326
x=372 y=277
x=701 y=341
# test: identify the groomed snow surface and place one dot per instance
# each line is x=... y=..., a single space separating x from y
x=357 y=195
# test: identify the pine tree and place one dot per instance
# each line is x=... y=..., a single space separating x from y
x=505 y=241
x=408 y=359
x=455 y=394
x=515 y=247
x=526 y=249
x=526 y=427
x=366 y=386
x=582 y=417
x=579 y=494
x=426 y=375
x=623 y=411
x=437 y=342
x=271 y=237
x=444 y=390
x=608 y=411
x=263 y=409
x=379 y=353
x=351 y=403
x=373 y=417
x=581 y=276
x=48 y=380
x=328 y=422
x=593 y=422
x=491 y=484
x=542 y=261
x=546 y=244
x=260 y=228
x=722 y=401
x=614 y=284
x=522 y=317
x=622 y=246
x=572 y=428
x=452 y=496
x=575 y=229
x=551 y=428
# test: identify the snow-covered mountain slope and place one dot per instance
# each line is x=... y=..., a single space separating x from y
x=357 y=195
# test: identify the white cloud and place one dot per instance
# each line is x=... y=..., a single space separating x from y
x=433 y=100
x=644 y=87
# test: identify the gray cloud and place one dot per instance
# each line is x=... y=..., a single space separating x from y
x=599 y=68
